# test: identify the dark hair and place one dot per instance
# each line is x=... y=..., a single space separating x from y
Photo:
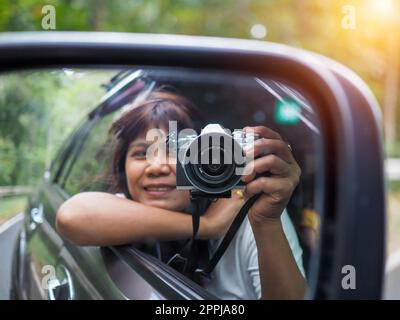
x=155 y=112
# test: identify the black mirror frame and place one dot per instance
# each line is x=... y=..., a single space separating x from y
x=351 y=193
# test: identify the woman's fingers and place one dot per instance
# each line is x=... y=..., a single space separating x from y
x=266 y=146
x=269 y=142
x=263 y=132
x=270 y=163
x=271 y=155
x=277 y=189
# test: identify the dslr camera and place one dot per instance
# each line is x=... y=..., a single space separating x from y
x=211 y=164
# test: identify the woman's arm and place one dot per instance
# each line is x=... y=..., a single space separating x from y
x=280 y=277
x=103 y=219
x=279 y=274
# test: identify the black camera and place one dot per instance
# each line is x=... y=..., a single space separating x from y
x=212 y=163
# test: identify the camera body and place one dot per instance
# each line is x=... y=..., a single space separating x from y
x=211 y=164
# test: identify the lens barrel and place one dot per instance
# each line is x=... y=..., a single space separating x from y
x=214 y=168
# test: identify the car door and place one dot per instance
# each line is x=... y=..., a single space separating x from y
x=81 y=172
x=41 y=270
x=43 y=243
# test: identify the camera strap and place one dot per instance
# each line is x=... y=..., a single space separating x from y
x=191 y=259
x=194 y=251
x=237 y=222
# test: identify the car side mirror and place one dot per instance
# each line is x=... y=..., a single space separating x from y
x=348 y=186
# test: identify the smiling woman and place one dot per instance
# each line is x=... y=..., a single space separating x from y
x=131 y=172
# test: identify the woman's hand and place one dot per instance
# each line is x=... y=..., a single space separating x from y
x=273 y=155
x=215 y=222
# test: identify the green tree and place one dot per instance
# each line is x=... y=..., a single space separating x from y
x=37 y=111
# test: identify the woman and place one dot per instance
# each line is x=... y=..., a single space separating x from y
x=263 y=260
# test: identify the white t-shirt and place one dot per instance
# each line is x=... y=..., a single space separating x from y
x=237 y=275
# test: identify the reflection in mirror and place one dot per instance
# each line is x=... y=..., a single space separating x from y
x=222 y=140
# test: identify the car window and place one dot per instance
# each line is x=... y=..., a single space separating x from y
x=90 y=170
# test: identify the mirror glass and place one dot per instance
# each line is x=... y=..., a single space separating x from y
x=67 y=131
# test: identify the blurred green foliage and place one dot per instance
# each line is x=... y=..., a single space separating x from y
x=30 y=117
x=37 y=111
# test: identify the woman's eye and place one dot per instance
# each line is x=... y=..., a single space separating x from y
x=139 y=154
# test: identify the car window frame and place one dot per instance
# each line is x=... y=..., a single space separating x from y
x=79 y=142
x=59 y=163
x=122 y=81
x=170 y=283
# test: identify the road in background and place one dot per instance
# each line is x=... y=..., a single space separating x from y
x=8 y=234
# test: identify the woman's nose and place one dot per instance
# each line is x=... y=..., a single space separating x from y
x=158 y=167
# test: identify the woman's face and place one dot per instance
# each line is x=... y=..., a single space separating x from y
x=153 y=182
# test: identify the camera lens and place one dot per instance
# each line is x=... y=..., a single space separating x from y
x=215 y=165
x=215 y=170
